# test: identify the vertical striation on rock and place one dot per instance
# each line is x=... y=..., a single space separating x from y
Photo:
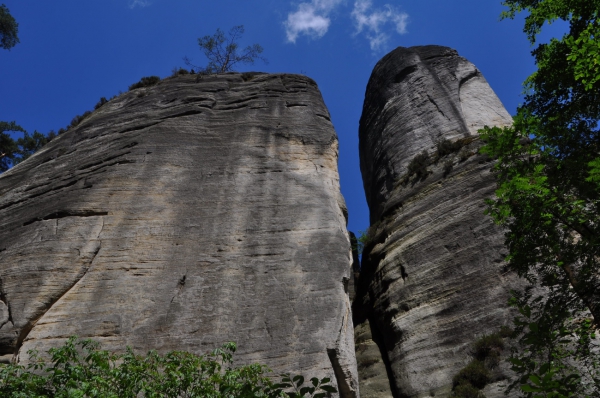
x=433 y=277
x=182 y=216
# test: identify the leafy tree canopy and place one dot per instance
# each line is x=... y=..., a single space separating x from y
x=223 y=53
x=8 y=29
x=81 y=369
x=548 y=198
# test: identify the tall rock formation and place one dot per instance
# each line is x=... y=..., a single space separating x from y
x=432 y=277
x=182 y=216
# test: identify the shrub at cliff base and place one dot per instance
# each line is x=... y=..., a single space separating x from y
x=474 y=374
x=80 y=369
x=467 y=391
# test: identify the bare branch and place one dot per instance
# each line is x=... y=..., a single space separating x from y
x=222 y=52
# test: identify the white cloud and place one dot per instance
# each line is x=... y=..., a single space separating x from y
x=311 y=19
x=140 y=3
x=372 y=22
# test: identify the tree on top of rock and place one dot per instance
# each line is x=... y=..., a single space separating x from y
x=223 y=53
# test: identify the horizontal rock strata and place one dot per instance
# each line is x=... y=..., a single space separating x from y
x=182 y=216
x=433 y=278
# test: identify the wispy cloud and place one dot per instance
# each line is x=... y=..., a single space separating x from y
x=374 y=21
x=311 y=19
x=139 y=3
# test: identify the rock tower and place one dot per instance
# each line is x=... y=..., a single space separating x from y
x=432 y=276
x=182 y=216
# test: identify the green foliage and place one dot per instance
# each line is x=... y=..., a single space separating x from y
x=223 y=53
x=446 y=147
x=554 y=353
x=11 y=126
x=362 y=240
x=548 y=199
x=30 y=144
x=247 y=76
x=585 y=54
x=179 y=71
x=8 y=146
x=418 y=166
x=365 y=238
x=293 y=387
x=13 y=151
x=102 y=101
x=488 y=346
x=467 y=391
x=76 y=121
x=581 y=46
x=506 y=332
x=147 y=81
x=9 y=28
x=81 y=369
x=486 y=352
x=475 y=374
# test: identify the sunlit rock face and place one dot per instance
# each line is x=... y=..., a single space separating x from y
x=433 y=278
x=182 y=216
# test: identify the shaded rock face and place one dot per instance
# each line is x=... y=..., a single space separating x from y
x=182 y=216
x=433 y=278
x=371 y=367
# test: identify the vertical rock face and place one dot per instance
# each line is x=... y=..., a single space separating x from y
x=432 y=277
x=182 y=216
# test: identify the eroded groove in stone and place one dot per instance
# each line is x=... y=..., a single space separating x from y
x=36 y=317
x=63 y=214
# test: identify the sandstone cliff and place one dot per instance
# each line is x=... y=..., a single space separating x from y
x=432 y=277
x=182 y=216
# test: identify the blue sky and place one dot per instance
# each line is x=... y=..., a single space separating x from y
x=73 y=52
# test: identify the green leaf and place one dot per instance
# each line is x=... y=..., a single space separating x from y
x=535 y=379
x=533 y=326
x=299 y=380
x=528 y=388
x=328 y=388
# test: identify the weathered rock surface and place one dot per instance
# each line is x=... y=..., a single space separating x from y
x=372 y=370
x=432 y=277
x=182 y=216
